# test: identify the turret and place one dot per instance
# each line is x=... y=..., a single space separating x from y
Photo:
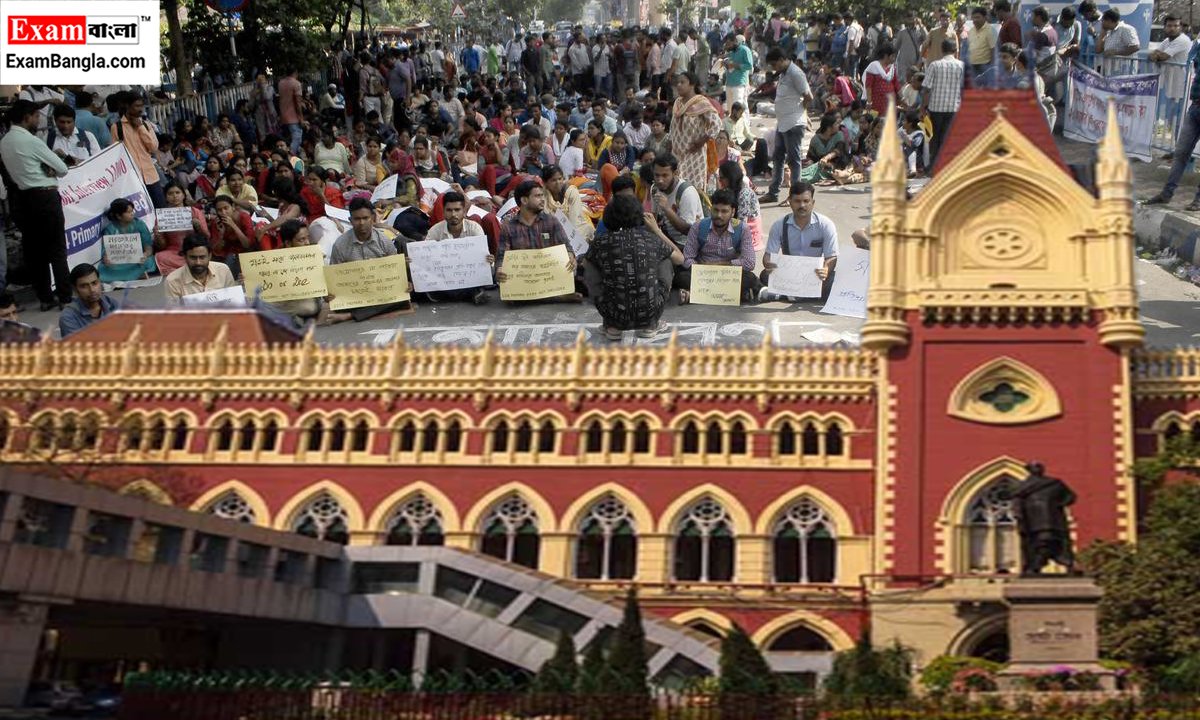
x=886 y=326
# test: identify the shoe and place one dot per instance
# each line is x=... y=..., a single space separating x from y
x=1193 y=206
x=765 y=295
x=481 y=298
x=612 y=334
x=1159 y=199
x=662 y=327
x=768 y=198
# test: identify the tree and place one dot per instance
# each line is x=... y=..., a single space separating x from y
x=747 y=687
x=593 y=673
x=627 y=661
x=560 y=673
x=866 y=674
x=183 y=68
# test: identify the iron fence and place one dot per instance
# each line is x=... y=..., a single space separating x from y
x=210 y=104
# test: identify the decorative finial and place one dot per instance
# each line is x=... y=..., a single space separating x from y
x=1000 y=109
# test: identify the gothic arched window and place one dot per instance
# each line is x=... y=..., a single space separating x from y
x=991 y=529
x=323 y=518
x=704 y=544
x=606 y=548
x=805 y=545
x=416 y=522
x=510 y=532
x=232 y=506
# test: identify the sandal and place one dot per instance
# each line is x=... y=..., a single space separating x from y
x=613 y=334
x=684 y=297
x=1193 y=206
x=658 y=329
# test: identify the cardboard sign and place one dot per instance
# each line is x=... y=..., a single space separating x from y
x=385 y=190
x=578 y=242
x=363 y=283
x=536 y=274
x=233 y=296
x=124 y=249
x=337 y=213
x=288 y=274
x=450 y=264
x=851 y=278
x=174 y=219
x=716 y=285
x=506 y=209
x=795 y=276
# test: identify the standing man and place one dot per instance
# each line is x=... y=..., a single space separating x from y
x=854 y=39
x=43 y=96
x=792 y=94
x=837 y=41
x=602 y=67
x=37 y=208
x=141 y=141
x=702 y=61
x=1185 y=143
x=1118 y=41
x=1171 y=58
x=1010 y=27
x=1089 y=16
x=738 y=64
x=909 y=42
x=981 y=41
x=68 y=141
x=199 y=274
x=933 y=43
x=805 y=233
x=90 y=302
x=92 y=116
x=666 y=64
x=579 y=62
x=290 y=112
x=943 y=94
x=532 y=229
x=531 y=66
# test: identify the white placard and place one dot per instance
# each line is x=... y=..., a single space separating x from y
x=476 y=211
x=437 y=185
x=507 y=208
x=174 y=219
x=850 y=281
x=795 y=276
x=385 y=190
x=88 y=190
x=271 y=213
x=450 y=264
x=233 y=296
x=475 y=194
x=124 y=249
x=337 y=213
x=579 y=243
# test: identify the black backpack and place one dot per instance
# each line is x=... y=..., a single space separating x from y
x=52 y=135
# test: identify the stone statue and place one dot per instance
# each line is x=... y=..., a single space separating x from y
x=1040 y=504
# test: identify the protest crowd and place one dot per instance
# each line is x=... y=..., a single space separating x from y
x=616 y=166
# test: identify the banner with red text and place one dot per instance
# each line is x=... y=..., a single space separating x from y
x=88 y=190
x=1136 y=97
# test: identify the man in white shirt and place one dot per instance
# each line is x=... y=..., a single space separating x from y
x=43 y=96
x=666 y=64
x=792 y=95
x=676 y=203
x=69 y=142
x=1171 y=58
x=457 y=225
x=579 y=60
x=854 y=38
x=602 y=67
x=1118 y=44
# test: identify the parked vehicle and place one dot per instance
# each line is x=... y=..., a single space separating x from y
x=59 y=696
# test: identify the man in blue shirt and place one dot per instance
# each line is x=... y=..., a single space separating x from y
x=470 y=58
x=802 y=233
x=90 y=303
x=94 y=122
x=739 y=61
x=582 y=113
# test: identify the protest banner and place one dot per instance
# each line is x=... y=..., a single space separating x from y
x=578 y=242
x=123 y=249
x=795 y=276
x=1136 y=97
x=450 y=264
x=537 y=274
x=173 y=219
x=851 y=278
x=363 y=283
x=385 y=190
x=233 y=296
x=716 y=284
x=86 y=192
x=288 y=274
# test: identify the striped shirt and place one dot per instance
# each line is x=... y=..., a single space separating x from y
x=545 y=232
x=944 y=78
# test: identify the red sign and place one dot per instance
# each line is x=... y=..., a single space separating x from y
x=47 y=30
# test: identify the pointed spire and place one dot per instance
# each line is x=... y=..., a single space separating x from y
x=890 y=170
x=1113 y=175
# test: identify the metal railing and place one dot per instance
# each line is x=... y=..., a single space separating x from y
x=210 y=104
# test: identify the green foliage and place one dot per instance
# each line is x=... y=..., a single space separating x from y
x=627 y=662
x=938 y=676
x=744 y=670
x=594 y=670
x=560 y=673
x=866 y=673
x=1181 y=676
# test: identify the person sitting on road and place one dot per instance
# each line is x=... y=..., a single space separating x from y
x=365 y=241
x=719 y=240
x=531 y=228
x=457 y=225
x=805 y=233
x=90 y=303
x=199 y=274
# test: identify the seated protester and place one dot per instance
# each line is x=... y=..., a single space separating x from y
x=719 y=240
x=365 y=241
x=533 y=116
x=660 y=140
x=911 y=97
x=676 y=203
x=618 y=158
x=598 y=141
x=561 y=195
x=625 y=185
x=90 y=303
x=232 y=233
x=532 y=156
x=637 y=131
x=571 y=160
x=530 y=228
x=737 y=127
x=726 y=151
x=624 y=270
x=456 y=225
x=370 y=170
x=294 y=233
x=258 y=172
x=209 y=181
x=318 y=192
x=329 y=154
x=240 y=193
x=915 y=144
x=199 y=274
x=803 y=233
x=281 y=147
x=581 y=114
x=12 y=330
x=123 y=220
x=854 y=121
x=827 y=151
x=71 y=143
x=280 y=170
x=730 y=177
x=560 y=140
x=427 y=164
x=291 y=207
x=168 y=245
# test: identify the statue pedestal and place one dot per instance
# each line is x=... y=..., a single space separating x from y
x=1052 y=622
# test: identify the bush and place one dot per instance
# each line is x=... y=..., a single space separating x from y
x=1181 y=676
x=1061 y=677
x=939 y=675
x=865 y=672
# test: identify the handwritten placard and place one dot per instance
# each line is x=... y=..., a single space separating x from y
x=536 y=274
x=851 y=279
x=385 y=190
x=450 y=264
x=362 y=283
x=337 y=213
x=288 y=274
x=716 y=285
x=578 y=242
x=232 y=296
x=795 y=276
x=507 y=209
x=123 y=249
x=437 y=185
x=174 y=219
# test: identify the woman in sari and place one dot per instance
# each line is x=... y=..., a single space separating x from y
x=694 y=125
x=597 y=143
x=618 y=159
x=561 y=195
x=168 y=245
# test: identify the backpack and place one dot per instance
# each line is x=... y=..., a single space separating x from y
x=52 y=135
x=738 y=228
x=629 y=61
x=705 y=202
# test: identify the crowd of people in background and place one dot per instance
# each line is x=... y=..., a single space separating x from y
x=637 y=140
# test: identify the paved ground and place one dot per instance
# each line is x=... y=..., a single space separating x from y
x=1169 y=306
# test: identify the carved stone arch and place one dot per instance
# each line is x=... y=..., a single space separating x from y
x=738 y=517
x=1004 y=391
x=704 y=615
x=968 y=639
x=146 y=489
x=1162 y=422
x=771 y=513
x=956 y=501
x=545 y=514
x=354 y=514
x=838 y=638
x=262 y=513
x=383 y=511
x=642 y=519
